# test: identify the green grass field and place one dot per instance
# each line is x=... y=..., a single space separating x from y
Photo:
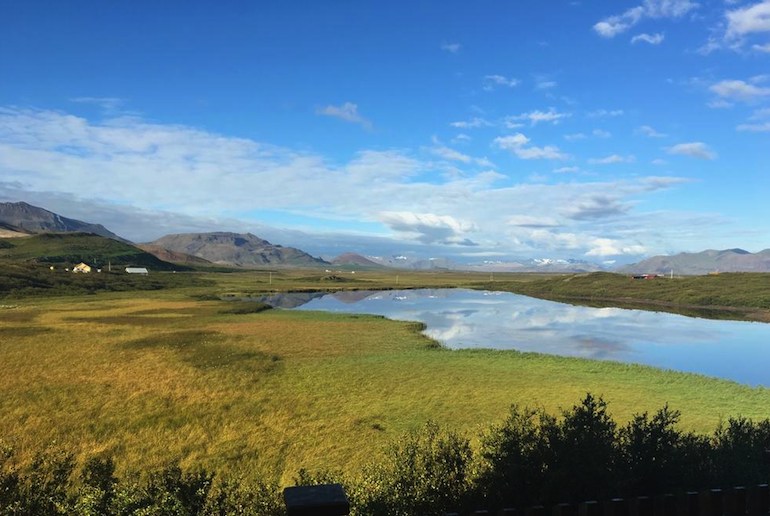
x=152 y=376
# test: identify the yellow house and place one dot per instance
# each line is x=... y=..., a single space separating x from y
x=82 y=267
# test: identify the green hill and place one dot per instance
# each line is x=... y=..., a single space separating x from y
x=68 y=249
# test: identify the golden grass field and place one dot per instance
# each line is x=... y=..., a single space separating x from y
x=156 y=376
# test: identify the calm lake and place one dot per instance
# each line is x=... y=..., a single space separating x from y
x=460 y=318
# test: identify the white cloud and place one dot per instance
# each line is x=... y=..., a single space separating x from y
x=601 y=133
x=528 y=221
x=605 y=113
x=110 y=105
x=566 y=170
x=429 y=228
x=747 y=20
x=739 y=90
x=545 y=84
x=614 y=25
x=473 y=123
x=652 y=39
x=612 y=159
x=347 y=112
x=493 y=81
x=151 y=179
x=755 y=128
x=694 y=150
x=450 y=154
x=650 y=132
x=762 y=48
x=575 y=137
x=452 y=48
x=537 y=116
x=519 y=145
x=609 y=247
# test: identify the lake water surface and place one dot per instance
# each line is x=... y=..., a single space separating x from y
x=460 y=318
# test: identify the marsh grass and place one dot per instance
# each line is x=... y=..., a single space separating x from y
x=153 y=377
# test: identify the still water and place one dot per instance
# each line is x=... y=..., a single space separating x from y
x=460 y=318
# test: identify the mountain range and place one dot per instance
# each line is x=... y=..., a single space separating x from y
x=705 y=262
x=23 y=218
x=19 y=219
x=241 y=250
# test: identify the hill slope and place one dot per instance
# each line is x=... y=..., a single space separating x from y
x=236 y=249
x=728 y=260
x=25 y=218
x=356 y=260
x=66 y=249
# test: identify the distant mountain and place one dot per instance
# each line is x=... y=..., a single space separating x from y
x=546 y=265
x=348 y=259
x=25 y=218
x=67 y=249
x=416 y=263
x=728 y=260
x=173 y=256
x=243 y=250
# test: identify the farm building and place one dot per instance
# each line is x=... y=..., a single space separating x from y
x=81 y=267
x=137 y=270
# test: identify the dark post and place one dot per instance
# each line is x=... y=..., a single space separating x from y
x=641 y=506
x=320 y=500
x=616 y=507
x=592 y=508
x=735 y=502
x=711 y=502
x=689 y=504
x=664 y=505
x=564 y=509
x=759 y=500
x=537 y=510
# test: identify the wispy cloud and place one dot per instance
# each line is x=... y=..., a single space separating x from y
x=185 y=178
x=347 y=112
x=519 y=145
x=693 y=149
x=617 y=24
x=739 y=90
x=110 y=105
x=473 y=123
x=650 y=132
x=452 y=48
x=494 y=81
x=748 y=20
x=535 y=117
x=652 y=39
x=612 y=159
x=430 y=228
x=605 y=113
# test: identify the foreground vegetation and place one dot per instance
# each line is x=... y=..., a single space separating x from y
x=531 y=457
x=128 y=392
x=156 y=376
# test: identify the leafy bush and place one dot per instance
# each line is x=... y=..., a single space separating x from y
x=427 y=472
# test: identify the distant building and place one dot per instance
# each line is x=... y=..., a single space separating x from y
x=137 y=270
x=82 y=267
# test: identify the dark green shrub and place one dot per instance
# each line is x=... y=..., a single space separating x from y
x=427 y=473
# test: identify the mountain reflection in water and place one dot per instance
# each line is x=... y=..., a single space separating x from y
x=461 y=318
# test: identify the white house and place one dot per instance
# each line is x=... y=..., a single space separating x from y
x=137 y=270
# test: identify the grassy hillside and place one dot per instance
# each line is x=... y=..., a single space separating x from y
x=67 y=249
x=746 y=295
x=155 y=376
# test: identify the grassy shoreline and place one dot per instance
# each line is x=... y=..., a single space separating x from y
x=160 y=375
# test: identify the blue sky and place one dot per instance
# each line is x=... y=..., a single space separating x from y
x=489 y=130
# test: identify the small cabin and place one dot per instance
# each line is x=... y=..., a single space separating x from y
x=81 y=267
x=137 y=270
